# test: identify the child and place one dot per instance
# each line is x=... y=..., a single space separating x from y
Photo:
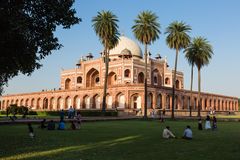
x=30 y=130
x=214 y=125
x=61 y=125
x=199 y=123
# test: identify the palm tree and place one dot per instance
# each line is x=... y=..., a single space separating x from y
x=106 y=28
x=177 y=38
x=146 y=29
x=203 y=52
x=190 y=56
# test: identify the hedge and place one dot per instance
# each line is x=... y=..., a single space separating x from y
x=85 y=113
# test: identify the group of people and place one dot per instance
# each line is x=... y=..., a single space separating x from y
x=75 y=122
x=187 y=134
x=208 y=123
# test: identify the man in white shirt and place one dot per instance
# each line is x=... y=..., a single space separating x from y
x=167 y=133
x=187 y=133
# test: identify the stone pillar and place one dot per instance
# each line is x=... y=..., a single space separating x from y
x=154 y=98
x=203 y=104
x=170 y=103
x=220 y=105
x=163 y=101
x=182 y=102
x=114 y=100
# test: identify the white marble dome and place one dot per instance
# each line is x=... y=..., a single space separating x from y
x=126 y=43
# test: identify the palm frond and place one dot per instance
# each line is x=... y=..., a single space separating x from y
x=146 y=28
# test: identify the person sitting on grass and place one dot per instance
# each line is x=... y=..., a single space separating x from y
x=42 y=126
x=51 y=125
x=187 y=134
x=167 y=133
x=61 y=125
x=30 y=130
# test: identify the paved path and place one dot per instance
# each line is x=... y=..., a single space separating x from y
x=92 y=119
x=84 y=119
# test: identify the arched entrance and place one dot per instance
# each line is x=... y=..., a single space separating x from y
x=150 y=100
x=15 y=102
x=68 y=102
x=27 y=103
x=141 y=77
x=86 y=102
x=177 y=84
x=21 y=103
x=67 y=83
x=167 y=102
x=112 y=78
x=159 y=101
x=77 y=102
x=92 y=78
x=60 y=103
x=109 y=101
x=33 y=104
x=120 y=101
x=136 y=101
x=96 y=102
x=45 y=103
x=156 y=78
x=38 y=103
x=51 y=105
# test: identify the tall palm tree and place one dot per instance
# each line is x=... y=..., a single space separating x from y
x=177 y=38
x=146 y=29
x=203 y=53
x=190 y=56
x=106 y=28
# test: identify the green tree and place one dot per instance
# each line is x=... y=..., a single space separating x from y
x=27 y=33
x=190 y=56
x=203 y=52
x=146 y=29
x=178 y=39
x=106 y=28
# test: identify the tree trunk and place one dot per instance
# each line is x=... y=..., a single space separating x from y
x=174 y=81
x=145 y=84
x=190 y=107
x=199 y=91
x=105 y=81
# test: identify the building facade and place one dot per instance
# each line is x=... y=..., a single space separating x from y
x=82 y=87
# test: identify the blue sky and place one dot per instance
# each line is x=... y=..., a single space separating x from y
x=217 y=20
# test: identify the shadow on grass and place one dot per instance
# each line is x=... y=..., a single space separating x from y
x=72 y=148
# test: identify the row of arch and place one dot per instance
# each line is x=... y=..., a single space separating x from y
x=92 y=79
x=79 y=102
x=121 y=101
x=206 y=104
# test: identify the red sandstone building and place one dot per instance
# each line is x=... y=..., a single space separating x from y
x=82 y=87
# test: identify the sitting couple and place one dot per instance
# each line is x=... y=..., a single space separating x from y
x=187 y=134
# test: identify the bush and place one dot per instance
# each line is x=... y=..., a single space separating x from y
x=32 y=113
x=3 y=112
x=92 y=113
x=14 y=109
x=22 y=110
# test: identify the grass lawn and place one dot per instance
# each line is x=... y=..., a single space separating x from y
x=121 y=140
